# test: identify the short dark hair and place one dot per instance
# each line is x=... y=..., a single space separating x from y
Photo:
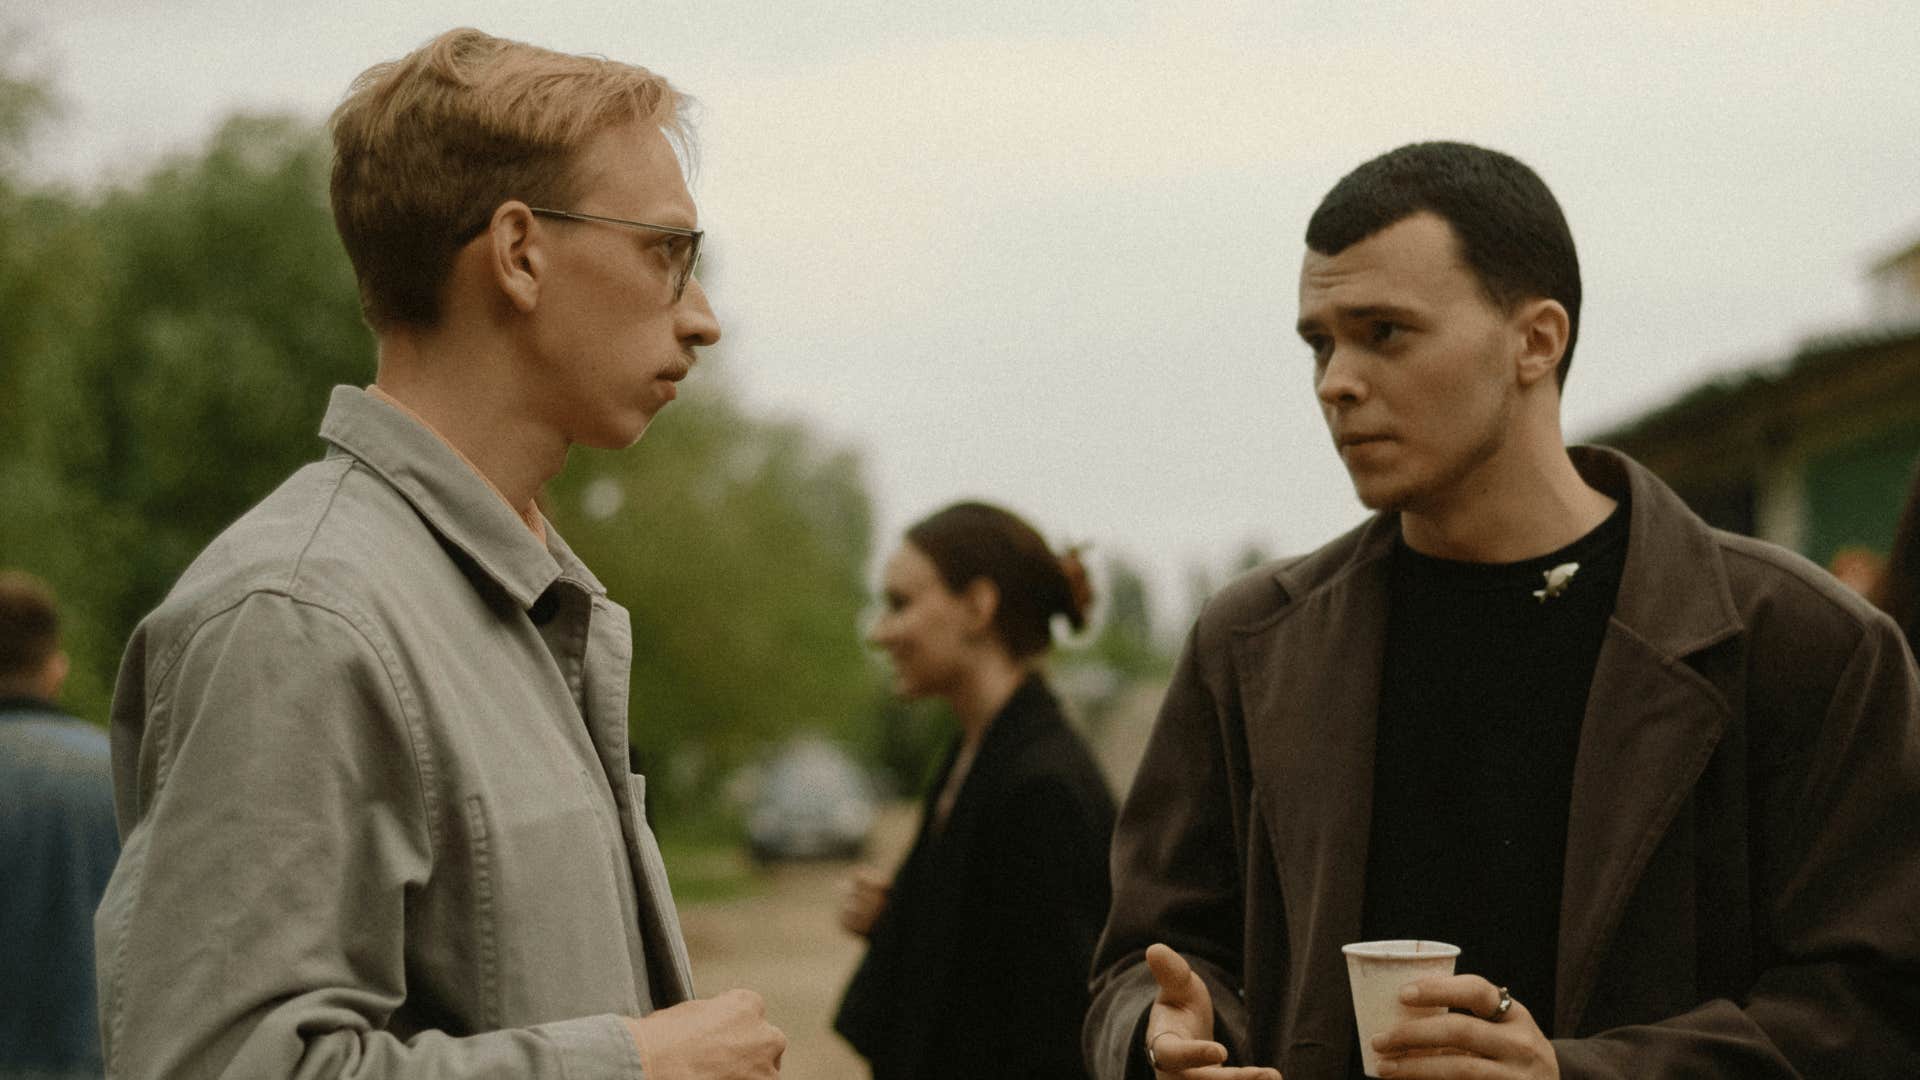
x=1509 y=227
x=972 y=540
x=29 y=625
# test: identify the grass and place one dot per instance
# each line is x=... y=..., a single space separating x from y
x=707 y=863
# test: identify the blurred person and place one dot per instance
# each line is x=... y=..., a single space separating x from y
x=1897 y=591
x=370 y=753
x=1858 y=568
x=980 y=945
x=1661 y=783
x=57 y=847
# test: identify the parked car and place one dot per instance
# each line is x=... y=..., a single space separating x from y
x=814 y=802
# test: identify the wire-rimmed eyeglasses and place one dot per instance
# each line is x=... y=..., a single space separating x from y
x=683 y=254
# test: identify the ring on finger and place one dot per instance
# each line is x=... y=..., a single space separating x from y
x=1500 y=1010
x=1153 y=1062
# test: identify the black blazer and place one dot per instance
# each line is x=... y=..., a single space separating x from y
x=979 y=964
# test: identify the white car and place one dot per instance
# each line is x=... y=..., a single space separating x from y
x=814 y=802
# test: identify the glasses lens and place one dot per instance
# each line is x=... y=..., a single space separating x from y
x=686 y=253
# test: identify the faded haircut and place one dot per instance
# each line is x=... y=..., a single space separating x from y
x=1507 y=224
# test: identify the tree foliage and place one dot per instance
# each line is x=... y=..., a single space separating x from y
x=169 y=348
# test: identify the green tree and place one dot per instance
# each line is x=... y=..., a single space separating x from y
x=1126 y=642
x=739 y=546
x=169 y=351
x=190 y=327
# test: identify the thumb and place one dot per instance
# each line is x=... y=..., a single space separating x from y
x=1172 y=972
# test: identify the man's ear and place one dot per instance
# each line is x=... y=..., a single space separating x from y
x=1543 y=327
x=516 y=255
x=982 y=598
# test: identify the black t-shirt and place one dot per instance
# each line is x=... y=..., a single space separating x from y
x=1482 y=694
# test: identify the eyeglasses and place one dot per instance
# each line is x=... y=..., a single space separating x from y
x=683 y=252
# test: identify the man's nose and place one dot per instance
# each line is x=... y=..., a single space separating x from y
x=1340 y=381
x=696 y=322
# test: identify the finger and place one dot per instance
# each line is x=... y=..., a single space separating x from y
x=1445 y=1067
x=1171 y=971
x=1469 y=992
x=1231 y=1072
x=1172 y=1053
x=746 y=999
x=1515 y=1037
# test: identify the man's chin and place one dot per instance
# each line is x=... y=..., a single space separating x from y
x=1378 y=497
x=615 y=438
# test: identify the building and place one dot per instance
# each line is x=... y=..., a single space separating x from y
x=1815 y=451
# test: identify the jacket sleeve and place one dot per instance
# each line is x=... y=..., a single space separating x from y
x=276 y=823
x=1838 y=864
x=1176 y=873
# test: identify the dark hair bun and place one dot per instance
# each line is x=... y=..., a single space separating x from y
x=1079 y=587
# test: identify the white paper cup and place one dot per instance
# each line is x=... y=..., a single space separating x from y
x=1377 y=970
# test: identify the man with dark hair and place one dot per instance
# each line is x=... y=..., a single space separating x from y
x=57 y=847
x=1660 y=783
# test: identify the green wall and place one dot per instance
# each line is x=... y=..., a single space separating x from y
x=1854 y=493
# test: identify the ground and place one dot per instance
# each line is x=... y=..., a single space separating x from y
x=785 y=943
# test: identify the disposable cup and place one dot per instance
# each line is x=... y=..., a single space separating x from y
x=1377 y=970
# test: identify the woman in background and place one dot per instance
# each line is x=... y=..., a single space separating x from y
x=980 y=948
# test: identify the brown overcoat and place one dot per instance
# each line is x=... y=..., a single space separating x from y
x=1742 y=882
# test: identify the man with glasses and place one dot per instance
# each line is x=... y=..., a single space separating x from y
x=371 y=753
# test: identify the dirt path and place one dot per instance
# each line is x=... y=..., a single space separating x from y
x=786 y=945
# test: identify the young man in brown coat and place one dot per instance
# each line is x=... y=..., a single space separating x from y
x=1661 y=783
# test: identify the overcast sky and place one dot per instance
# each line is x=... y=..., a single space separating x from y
x=1045 y=251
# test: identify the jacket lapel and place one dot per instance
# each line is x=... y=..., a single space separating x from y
x=1311 y=679
x=1651 y=721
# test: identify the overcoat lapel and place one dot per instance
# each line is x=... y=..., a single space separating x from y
x=1651 y=721
x=1311 y=679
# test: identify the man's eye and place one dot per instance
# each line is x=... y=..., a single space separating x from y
x=1321 y=348
x=1382 y=332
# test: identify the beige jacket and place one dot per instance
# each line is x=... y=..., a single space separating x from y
x=1742 y=883
x=370 y=760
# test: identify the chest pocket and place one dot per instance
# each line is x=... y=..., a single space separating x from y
x=550 y=932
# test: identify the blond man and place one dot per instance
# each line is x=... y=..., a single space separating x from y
x=370 y=754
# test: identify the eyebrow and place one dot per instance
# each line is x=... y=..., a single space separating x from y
x=1358 y=313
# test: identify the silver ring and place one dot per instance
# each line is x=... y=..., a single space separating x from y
x=1152 y=1061
x=1500 y=1010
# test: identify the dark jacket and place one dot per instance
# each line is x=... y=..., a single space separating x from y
x=1742 y=876
x=987 y=936
x=57 y=848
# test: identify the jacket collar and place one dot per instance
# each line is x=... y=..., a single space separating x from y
x=1309 y=666
x=454 y=500
x=1673 y=591
x=26 y=705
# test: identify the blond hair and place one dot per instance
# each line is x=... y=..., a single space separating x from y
x=426 y=147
